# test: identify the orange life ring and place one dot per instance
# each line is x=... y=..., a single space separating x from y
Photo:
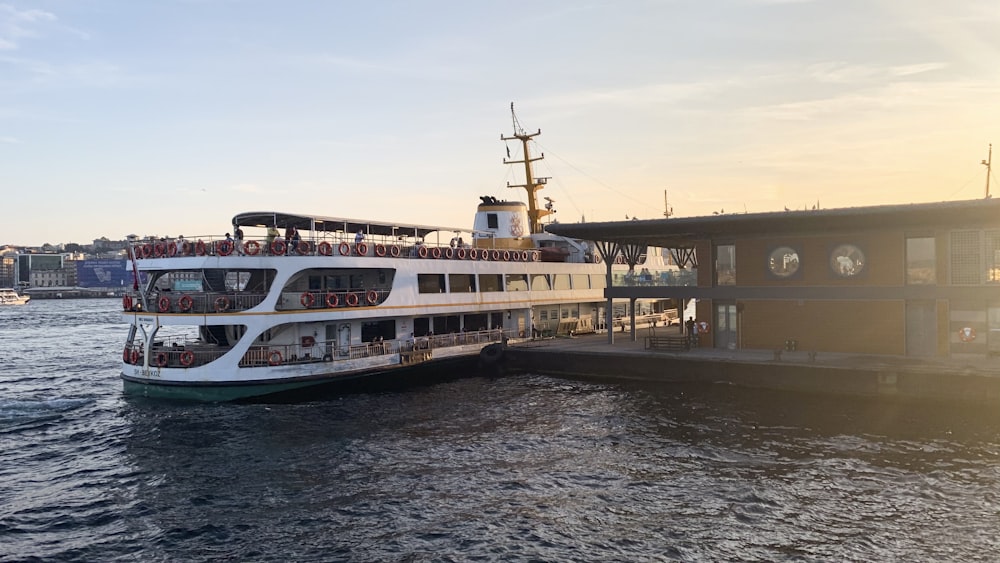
x=274 y=358
x=473 y=254
x=278 y=247
x=351 y=299
x=161 y=359
x=436 y=252
x=225 y=248
x=159 y=250
x=371 y=296
x=361 y=248
x=221 y=303
x=494 y=254
x=449 y=253
x=303 y=247
x=394 y=251
x=422 y=251
x=125 y=355
x=171 y=249
x=163 y=304
x=187 y=358
x=127 y=302
x=307 y=299
x=967 y=334
x=704 y=327
x=185 y=303
x=526 y=256
x=461 y=254
x=251 y=247
x=199 y=248
x=147 y=250
x=325 y=248
x=331 y=299
x=134 y=356
x=506 y=256
x=344 y=249
x=379 y=250
x=535 y=256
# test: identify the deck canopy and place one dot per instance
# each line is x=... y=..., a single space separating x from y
x=683 y=232
x=320 y=224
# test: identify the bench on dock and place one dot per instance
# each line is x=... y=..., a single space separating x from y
x=669 y=343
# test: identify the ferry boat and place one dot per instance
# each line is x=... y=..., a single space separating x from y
x=298 y=300
x=11 y=297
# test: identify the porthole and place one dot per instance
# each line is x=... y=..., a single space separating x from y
x=847 y=261
x=783 y=261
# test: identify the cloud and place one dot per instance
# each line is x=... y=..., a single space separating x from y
x=18 y=24
x=9 y=141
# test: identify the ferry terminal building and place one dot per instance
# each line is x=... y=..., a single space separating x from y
x=920 y=280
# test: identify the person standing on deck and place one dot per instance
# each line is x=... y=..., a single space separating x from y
x=692 y=330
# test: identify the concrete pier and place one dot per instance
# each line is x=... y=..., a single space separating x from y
x=974 y=380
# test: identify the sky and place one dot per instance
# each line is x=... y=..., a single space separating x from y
x=169 y=117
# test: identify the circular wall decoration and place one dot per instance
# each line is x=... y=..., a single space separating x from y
x=847 y=261
x=783 y=261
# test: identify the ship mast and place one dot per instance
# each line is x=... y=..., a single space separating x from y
x=531 y=184
x=989 y=165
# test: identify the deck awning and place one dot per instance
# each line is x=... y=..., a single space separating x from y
x=322 y=224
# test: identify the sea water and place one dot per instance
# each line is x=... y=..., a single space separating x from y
x=508 y=468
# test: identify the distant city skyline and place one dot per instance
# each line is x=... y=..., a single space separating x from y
x=169 y=118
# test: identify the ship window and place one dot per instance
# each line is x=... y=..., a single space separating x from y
x=560 y=281
x=430 y=283
x=475 y=322
x=490 y=282
x=491 y=221
x=539 y=282
x=598 y=281
x=374 y=330
x=462 y=283
x=992 y=256
x=581 y=281
x=517 y=282
x=544 y=315
x=921 y=261
x=966 y=257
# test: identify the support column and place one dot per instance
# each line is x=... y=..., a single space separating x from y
x=609 y=252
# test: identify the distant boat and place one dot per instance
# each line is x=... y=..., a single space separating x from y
x=10 y=297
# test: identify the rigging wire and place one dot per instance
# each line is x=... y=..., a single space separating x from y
x=605 y=185
x=963 y=186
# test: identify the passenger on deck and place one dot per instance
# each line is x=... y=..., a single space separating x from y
x=238 y=233
x=360 y=237
x=272 y=233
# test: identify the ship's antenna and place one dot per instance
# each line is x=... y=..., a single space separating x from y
x=667 y=210
x=531 y=183
x=988 y=163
